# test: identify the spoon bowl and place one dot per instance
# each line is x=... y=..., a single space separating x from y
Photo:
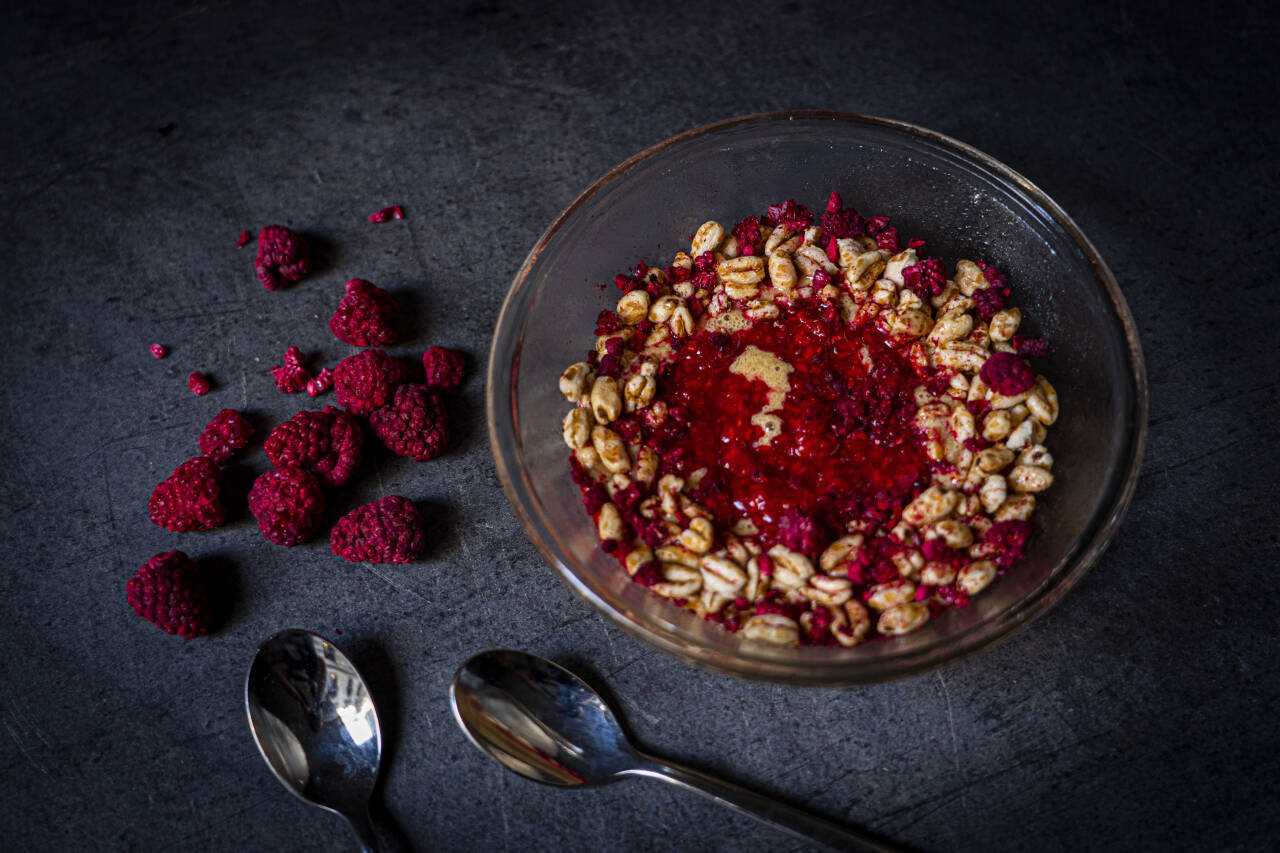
x=542 y=721
x=315 y=724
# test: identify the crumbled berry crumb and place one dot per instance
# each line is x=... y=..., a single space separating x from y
x=414 y=424
x=158 y=350
x=320 y=383
x=244 y=239
x=288 y=504
x=226 y=433
x=444 y=368
x=198 y=383
x=283 y=257
x=387 y=214
x=366 y=316
x=169 y=592
x=800 y=532
x=292 y=376
x=386 y=531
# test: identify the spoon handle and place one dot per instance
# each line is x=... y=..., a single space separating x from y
x=777 y=814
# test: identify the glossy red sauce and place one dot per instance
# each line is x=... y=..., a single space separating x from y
x=846 y=449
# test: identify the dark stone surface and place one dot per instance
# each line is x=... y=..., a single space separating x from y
x=139 y=140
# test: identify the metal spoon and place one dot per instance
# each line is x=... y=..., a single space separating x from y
x=315 y=725
x=548 y=725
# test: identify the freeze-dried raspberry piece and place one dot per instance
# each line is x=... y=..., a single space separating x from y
x=365 y=381
x=327 y=443
x=444 y=368
x=283 y=257
x=1007 y=374
x=322 y=382
x=288 y=504
x=198 y=383
x=225 y=434
x=386 y=214
x=926 y=278
x=385 y=531
x=366 y=316
x=795 y=216
x=839 y=222
x=989 y=300
x=1011 y=538
x=243 y=240
x=190 y=498
x=158 y=350
x=887 y=240
x=1030 y=347
x=169 y=592
x=800 y=532
x=415 y=424
x=748 y=233
x=292 y=376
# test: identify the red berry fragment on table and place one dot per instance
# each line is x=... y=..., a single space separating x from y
x=415 y=424
x=288 y=504
x=386 y=531
x=198 y=383
x=244 y=239
x=226 y=433
x=444 y=368
x=169 y=592
x=158 y=350
x=320 y=383
x=283 y=257
x=327 y=443
x=366 y=381
x=190 y=498
x=292 y=376
x=366 y=316
x=387 y=214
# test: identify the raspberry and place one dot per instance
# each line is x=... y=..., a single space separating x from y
x=444 y=369
x=366 y=315
x=288 y=503
x=198 y=383
x=385 y=531
x=926 y=278
x=365 y=381
x=243 y=239
x=799 y=532
x=283 y=257
x=225 y=434
x=1011 y=538
x=990 y=300
x=795 y=216
x=887 y=240
x=748 y=233
x=322 y=382
x=1030 y=347
x=190 y=498
x=1007 y=374
x=328 y=444
x=292 y=376
x=387 y=214
x=169 y=592
x=838 y=222
x=415 y=424
x=158 y=350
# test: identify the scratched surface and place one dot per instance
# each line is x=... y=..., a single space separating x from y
x=1140 y=714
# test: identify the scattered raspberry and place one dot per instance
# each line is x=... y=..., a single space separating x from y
x=838 y=222
x=158 y=350
x=1011 y=538
x=415 y=424
x=169 y=592
x=876 y=224
x=935 y=550
x=385 y=531
x=799 y=532
x=366 y=316
x=365 y=381
x=243 y=240
x=190 y=498
x=225 y=434
x=292 y=376
x=283 y=257
x=926 y=278
x=387 y=214
x=322 y=382
x=1007 y=374
x=887 y=240
x=795 y=216
x=444 y=369
x=915 y=244
x=327 y=443
x=990 y=300
x=198 y=383
x=748 y=233
x=1030 y=347
x=993 y=276
x=288 y=504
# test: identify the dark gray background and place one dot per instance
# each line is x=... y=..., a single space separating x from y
x=139 y=140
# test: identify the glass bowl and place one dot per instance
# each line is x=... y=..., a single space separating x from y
x=966 y=205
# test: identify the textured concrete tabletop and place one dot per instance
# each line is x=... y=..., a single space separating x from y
x=140 y=140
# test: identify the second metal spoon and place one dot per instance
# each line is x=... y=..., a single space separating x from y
x=548 y=725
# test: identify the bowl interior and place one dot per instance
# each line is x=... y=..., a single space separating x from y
x=965 y=206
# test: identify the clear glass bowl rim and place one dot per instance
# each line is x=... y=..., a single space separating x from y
x=500 y=392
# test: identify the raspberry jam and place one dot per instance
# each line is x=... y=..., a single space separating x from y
x=842 y=406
